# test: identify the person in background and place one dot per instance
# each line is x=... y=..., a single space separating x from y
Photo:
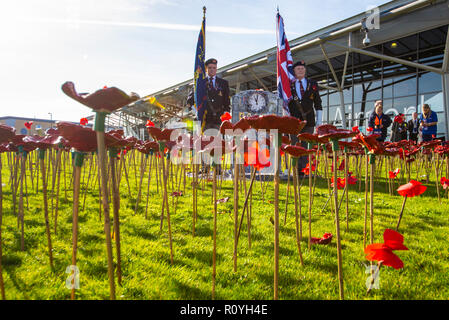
x=399 y=128
x=379 y=121
x=428 y=123
x=305 y=105
x=218 y=97
x=413 y=127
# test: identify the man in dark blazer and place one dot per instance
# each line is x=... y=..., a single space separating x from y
x=413 y=127
x=218 y=97
x=306 y=100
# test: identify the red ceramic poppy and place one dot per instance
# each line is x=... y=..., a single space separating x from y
x=394 y=174
x=442 y=149
x=286 y=140
x=149 y=123
x=326 y=239
x=146 y=146
x=223 y=200
x=296 y=151
x=6 y=133
x=84 y=121
x=242 y=125
x=219 y=144
x=356 y=129
x=287 y=124
x=444 y=182
x=160 y=135
x=28 y=124
x=430 y=144
x=412 y=189
x=81 y=138
x=306 y=169
x=340 y=183
x=370 y=142
x=257 y=158
x=383 y=252
x=176 y=194
x=351 y=180
x=3 y=147
x=42 y=142
x=398 y=119
x=103 y=100
x=348 y=145
x=369 y=129
x=341 y=167
x=311 y=138
x=226 y=116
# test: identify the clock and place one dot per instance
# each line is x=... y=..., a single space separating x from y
x=257 y=102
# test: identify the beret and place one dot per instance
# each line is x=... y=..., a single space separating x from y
x=211 y=60
x=299 y=63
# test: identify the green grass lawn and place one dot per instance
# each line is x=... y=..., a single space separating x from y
x=148 y=274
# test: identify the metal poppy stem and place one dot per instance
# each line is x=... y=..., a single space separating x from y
x=2 y=285
x=337 y=223
x=297 y=199
x=116 y=207
x=366 y=197
x=44 y=192
x=79 y=157
x=277 y=146
x=400 y=215
x=372 y=160
x=310 y=196
x=102 y=160
x=214 y=253
x=245 y=206
x=374 y=277
x=236 y=208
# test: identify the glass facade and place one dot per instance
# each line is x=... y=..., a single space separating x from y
x=402 y=89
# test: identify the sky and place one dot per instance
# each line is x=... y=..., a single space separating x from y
x=140 y=46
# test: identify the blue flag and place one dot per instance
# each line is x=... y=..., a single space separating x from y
x=200 y=80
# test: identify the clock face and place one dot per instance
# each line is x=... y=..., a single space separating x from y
x=257 y=102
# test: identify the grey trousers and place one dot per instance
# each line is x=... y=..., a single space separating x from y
x=302 y=161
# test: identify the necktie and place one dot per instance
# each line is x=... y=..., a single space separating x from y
x=211 y=82
x=301 y=89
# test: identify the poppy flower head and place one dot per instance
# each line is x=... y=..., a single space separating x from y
x=28 y=124
x=149 y=123
x=412 y=189
x=370 y=129
x=102 y=100
x=340 y=183
x=383 y=252
x=84 y=121
x=325 y=239
x=394 y=174
x=226 y=116
x=444 y=182
x=6 y=133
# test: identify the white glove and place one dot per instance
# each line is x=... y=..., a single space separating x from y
x=319 y=118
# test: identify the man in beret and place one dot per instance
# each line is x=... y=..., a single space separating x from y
x=218 y=97
x=306 y=100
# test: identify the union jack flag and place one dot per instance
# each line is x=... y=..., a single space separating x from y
x=284 y=64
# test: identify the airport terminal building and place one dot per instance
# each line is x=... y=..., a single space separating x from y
x=398 y=53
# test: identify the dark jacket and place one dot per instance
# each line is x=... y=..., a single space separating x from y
x=310 y=102
x=219 y=102
x=413 y=135
x=386 y=122
x=399 y=131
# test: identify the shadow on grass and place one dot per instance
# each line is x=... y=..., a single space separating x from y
x=185 y=291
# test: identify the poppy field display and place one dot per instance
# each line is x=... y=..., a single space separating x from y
x=88 y=213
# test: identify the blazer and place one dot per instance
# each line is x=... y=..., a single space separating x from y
x=310 y=102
